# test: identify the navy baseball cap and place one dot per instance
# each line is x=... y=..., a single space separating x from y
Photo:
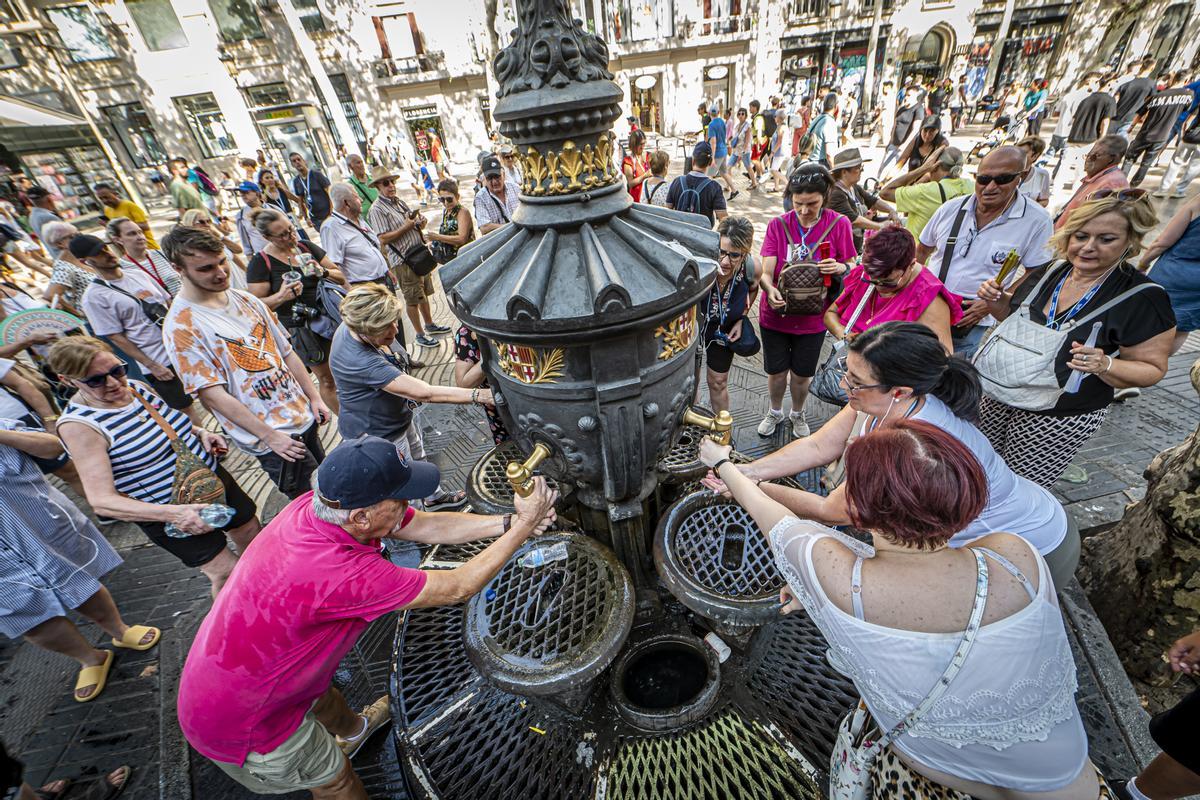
x=248 y=186
x=362 y=472
x=491 y=166
x=702 y=150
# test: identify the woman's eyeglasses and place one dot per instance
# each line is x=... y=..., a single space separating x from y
x=881 y=283
x=1000 y=180
x=446 y=199
x=287 y=233
x=732 y=256
x=851 y=387
x=1122 y=195
x=97 y=381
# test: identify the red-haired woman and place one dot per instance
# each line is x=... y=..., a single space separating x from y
x=896 y=615
x=899 y=289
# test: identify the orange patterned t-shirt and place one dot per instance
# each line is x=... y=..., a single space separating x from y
x=243 y=347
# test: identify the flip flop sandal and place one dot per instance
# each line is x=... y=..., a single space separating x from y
x=46 y=794
x=96 y=677
x=447 y=501
x=132 y=640
x=97 y=788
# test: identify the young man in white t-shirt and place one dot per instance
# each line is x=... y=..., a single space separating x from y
x=128 y=306
x=229 y=349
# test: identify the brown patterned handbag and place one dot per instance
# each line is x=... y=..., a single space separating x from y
x=801 y=282
x=194 y=481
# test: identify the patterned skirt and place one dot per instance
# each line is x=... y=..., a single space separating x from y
x=891 y=779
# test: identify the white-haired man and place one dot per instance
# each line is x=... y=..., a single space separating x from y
x=350 y=242
x=256 y=693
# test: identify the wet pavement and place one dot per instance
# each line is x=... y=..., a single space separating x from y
x=133 y=721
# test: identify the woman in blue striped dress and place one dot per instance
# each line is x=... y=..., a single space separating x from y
x=51 y=560
x=116 y=432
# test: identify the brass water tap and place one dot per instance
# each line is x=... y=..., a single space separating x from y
x=520 y=473
x=720 y=426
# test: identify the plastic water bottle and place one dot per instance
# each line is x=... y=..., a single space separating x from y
x=544 y=555
x=217 y=515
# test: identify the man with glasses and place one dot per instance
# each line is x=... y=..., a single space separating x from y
x=967 y=241
x=128 y=307
x=1101 y=170
x=400 y=230
x=494 y=206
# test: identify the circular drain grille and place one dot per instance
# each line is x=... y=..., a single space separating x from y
x=487 y=486
x=682 y=461
x=713 y=558
x=544 y=629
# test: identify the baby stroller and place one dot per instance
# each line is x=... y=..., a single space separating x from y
x=1005 y=131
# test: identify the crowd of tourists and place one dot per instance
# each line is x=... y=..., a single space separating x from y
x=973 y=338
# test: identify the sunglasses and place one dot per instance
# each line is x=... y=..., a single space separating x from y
x=289 y=232
x=446 y=199
x=1000 y=180
x=884 y=284
x=96 y=381
x=1122 y=195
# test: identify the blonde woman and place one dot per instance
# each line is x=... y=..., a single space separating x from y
x=1096 y=246
x=375 y=391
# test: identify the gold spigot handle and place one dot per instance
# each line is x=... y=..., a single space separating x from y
x=721 y=425
x=520 y=473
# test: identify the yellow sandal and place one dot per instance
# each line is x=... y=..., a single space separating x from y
x=132 y=640
x=96 y=676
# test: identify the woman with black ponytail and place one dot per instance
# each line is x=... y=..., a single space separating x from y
x=901 y=370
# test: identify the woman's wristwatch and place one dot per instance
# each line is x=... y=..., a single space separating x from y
x=717 y=466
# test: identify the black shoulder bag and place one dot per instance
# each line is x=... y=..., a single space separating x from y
x=948 y=255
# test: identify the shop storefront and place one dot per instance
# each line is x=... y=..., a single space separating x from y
x=427 y=132
x=63 y=157
x=1034 y=40
x=645 y=102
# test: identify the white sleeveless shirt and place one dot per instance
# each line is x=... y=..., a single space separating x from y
x=1009 y=718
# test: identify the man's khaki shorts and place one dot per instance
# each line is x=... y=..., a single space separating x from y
x=414 y=288
x=308 y=758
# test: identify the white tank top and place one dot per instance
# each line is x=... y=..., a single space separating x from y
x=1009 y=719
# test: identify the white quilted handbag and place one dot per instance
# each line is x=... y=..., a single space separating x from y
x=1017 y=360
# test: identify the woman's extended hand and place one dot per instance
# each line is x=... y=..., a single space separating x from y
x=212 y=442
x=711 y=452
x=775 y=298
x=1184 y=655
x=788 y=602
x=990 y=291
x=187 y=519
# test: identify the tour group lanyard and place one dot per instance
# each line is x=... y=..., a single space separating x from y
x=152 y=271
x=365 y=235
x=1054 y=324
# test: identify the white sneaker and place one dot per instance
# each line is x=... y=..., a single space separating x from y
x=799 y=425
x=1121 y=395
x=770 y=422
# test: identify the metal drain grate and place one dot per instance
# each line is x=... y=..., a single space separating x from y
x=542 y=628
x=726 y=757
x=487 y=485
x=488 y=749
x=797 y=687
x=719 y=546
x=433 y=667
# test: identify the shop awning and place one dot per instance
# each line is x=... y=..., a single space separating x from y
x=18 y=113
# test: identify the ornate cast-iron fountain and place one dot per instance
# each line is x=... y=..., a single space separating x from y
x=590 y=676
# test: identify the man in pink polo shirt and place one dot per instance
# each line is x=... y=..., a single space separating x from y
x=1101 y=170
x=256 y=693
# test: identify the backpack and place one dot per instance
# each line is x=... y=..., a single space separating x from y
x=689 y=197
x=206 y=184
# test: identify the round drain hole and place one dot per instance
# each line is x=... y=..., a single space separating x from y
x=666 y=681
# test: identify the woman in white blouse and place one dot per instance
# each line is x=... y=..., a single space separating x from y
x=1007 y=727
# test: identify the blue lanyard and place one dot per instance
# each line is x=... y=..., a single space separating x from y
x=1054 y=324
x=805 y=251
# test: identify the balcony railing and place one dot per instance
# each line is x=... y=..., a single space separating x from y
x=713 y=26
x=803 y=9
x=410 y=66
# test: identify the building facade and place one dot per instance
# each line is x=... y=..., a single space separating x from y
x=95 y=90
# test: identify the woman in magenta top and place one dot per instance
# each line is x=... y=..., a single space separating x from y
x=792 y=343
x=904 y=290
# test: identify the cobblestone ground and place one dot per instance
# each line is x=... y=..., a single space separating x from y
x=134 y=721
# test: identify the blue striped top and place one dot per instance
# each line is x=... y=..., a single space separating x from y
x=143 y=463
